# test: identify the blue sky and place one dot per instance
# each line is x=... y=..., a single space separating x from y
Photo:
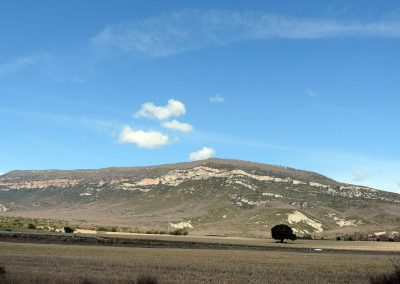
x=308 y=84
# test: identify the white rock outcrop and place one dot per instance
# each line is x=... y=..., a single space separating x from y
x=181 y=225
x=177 y=177
x=298 y=217
x=3 y=208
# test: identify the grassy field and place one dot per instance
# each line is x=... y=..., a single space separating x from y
x=202 y=242
x=44 y=263
x=323 y=244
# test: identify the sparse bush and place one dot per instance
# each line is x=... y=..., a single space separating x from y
x=87 y=281
x=31 y=226
x=307 y=237
x=2 y=271
x=180 y=232
x=113 y=229
x=387 y=278
x=160 y=232
x=383 y=238
x=146 y=279
x=338 y=238
x=68 y=230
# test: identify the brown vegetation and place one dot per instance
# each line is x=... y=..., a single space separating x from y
x=387 y=278
x=34 y=263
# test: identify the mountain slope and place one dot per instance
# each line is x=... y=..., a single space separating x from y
x=214 y=196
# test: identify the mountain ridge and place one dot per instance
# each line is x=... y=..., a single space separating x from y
x=209 y=196
x=181 y=165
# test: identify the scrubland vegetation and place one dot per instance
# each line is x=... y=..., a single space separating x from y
x=36 y=224
x=34 y=263
x=21 y=223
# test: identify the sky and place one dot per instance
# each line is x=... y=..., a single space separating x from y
x=312 y=85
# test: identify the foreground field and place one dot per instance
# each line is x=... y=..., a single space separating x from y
x=44 y=263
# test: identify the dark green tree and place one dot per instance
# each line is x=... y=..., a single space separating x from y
x=68 y=230
x=283 y=232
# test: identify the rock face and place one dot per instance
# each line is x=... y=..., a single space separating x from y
x=59 y=183
x=213 y=196
x=3 y=208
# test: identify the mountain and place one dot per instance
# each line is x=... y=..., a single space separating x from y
x=214 y=196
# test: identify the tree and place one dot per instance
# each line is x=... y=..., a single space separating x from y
x=68 y=230
x=283 y=232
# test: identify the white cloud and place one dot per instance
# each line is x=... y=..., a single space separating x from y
x=176 y=125
x=173 y=108
x=216 y=99
x=19 y=64
x=181 y=31
x=143 y=139
x=202 y=154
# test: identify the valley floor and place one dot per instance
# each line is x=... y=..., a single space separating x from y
x=51 y=263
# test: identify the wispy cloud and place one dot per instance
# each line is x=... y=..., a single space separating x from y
x=310 y=93
x=19 y=64
x=94 y=124
x=202 y=154
x=216 y=99
x=186 y=30
x=342 y=166
x=220 y=138
x=176 y=125
x=360 y=175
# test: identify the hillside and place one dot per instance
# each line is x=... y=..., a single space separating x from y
x=215 y=196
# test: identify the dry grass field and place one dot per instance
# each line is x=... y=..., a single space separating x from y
x=307 y=244
x=45 y=263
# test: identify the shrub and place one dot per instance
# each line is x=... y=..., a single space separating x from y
x=2 y=270
x=161 y=232
x=180 y=232
x=383 y=238
x=31 y=226
x=387 y=278
x=307 y=237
